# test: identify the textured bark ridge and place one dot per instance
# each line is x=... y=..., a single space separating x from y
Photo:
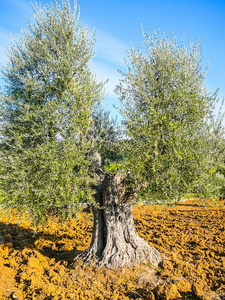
x=115 y=242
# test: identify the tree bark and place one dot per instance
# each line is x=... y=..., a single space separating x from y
x=115 y=242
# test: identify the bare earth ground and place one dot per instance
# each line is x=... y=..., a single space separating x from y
x=37 y=263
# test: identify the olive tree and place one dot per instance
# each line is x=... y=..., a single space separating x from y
x=50 y=131
x=173 y=138
x=49 y=96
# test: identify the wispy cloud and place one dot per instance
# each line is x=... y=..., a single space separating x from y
x=5 y=41
x=110 y=54
x=13 y=18
x=109 y=48
x=105 y=72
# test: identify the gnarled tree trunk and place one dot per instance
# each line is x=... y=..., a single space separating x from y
x=115 y=242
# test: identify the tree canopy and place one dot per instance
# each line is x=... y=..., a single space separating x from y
x=52 y=126
x=46 y=107
x=173 y=138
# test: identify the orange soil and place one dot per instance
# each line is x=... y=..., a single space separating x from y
x=37 y=263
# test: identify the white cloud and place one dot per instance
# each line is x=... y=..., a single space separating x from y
x=109 y=48
x=106 y=72
x=110 y=54
x=6 y=41
x=17 y=14
x=109 y=58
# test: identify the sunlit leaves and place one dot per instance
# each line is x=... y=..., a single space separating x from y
x=173 y=139
x=47 y=104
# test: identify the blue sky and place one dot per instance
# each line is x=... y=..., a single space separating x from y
x=118 y=25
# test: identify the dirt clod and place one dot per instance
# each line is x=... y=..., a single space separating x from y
x=37 y=263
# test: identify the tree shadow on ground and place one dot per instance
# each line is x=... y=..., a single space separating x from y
x=19 y=238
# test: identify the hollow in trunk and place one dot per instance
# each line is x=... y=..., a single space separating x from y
x=115 y=242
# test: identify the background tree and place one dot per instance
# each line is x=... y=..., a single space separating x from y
x=46 y=107
x=173 y=139
x=107 y=134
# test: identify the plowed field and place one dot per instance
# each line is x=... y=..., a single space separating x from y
x=37 y=263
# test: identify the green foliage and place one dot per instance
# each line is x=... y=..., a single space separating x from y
x=106 y=133
x=46 y=109
x=52 y=126
x=173 y=139
x=220 y=172
x=112 y=168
